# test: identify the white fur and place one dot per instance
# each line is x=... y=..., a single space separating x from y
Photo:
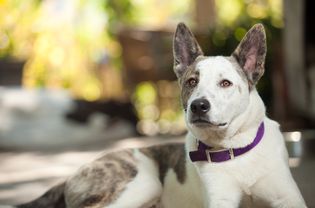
x=144 y=188
x=263 y=172
x=226 y=103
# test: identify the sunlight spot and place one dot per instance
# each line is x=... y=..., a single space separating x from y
x=257 y=11
x=295 y=136
x=228 y=10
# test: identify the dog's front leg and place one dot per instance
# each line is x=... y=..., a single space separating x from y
x=221 y=191
x=279 y=189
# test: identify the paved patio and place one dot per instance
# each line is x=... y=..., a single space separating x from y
x=26 y=175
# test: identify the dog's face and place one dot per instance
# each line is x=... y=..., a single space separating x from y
x=215 y=90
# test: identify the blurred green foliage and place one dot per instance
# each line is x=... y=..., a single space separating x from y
x=63 y=39
x=73 y=45
x=119 y=13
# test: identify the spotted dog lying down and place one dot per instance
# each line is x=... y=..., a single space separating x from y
x=233 y=155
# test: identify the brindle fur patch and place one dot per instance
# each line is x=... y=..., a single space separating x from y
x=191 y=72
x=185 y=49
x=101 y=182
x=168 y=156
x=53 y=198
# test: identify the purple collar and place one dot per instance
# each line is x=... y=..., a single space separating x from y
x=204 y=152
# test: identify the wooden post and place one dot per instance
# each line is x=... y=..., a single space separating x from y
x=204 y=14
x=294 y=53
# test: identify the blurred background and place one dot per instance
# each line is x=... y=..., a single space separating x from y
x=78 y=77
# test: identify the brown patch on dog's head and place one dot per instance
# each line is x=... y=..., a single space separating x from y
x=251 y=53
x=187 y=53
x=185 y=49
x=190 y=72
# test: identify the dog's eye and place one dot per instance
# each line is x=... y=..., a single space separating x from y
x=192 y=82
x=225 y=83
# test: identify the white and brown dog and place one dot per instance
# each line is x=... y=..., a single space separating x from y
x=234 y=155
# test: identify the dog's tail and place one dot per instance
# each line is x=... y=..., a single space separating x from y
x=53 y=198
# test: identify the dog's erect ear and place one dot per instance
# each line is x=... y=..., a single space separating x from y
x=251 y=53
x=185 y=49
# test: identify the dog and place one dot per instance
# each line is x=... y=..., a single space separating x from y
x=233 y=155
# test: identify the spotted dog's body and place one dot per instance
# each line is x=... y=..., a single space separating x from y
x=222 y=110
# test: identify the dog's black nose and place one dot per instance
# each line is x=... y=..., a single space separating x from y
x=200 y=106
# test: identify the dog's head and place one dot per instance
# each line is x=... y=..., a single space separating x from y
x=215 y=90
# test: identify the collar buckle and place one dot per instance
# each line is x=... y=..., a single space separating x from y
x=209 y=151
x=231 y=154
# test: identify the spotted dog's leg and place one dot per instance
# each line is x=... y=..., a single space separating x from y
x=117 y=180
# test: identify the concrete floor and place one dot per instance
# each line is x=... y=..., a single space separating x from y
x=26 y=175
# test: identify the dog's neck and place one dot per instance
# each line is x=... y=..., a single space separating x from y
x=242 y=129
x=245 y=124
